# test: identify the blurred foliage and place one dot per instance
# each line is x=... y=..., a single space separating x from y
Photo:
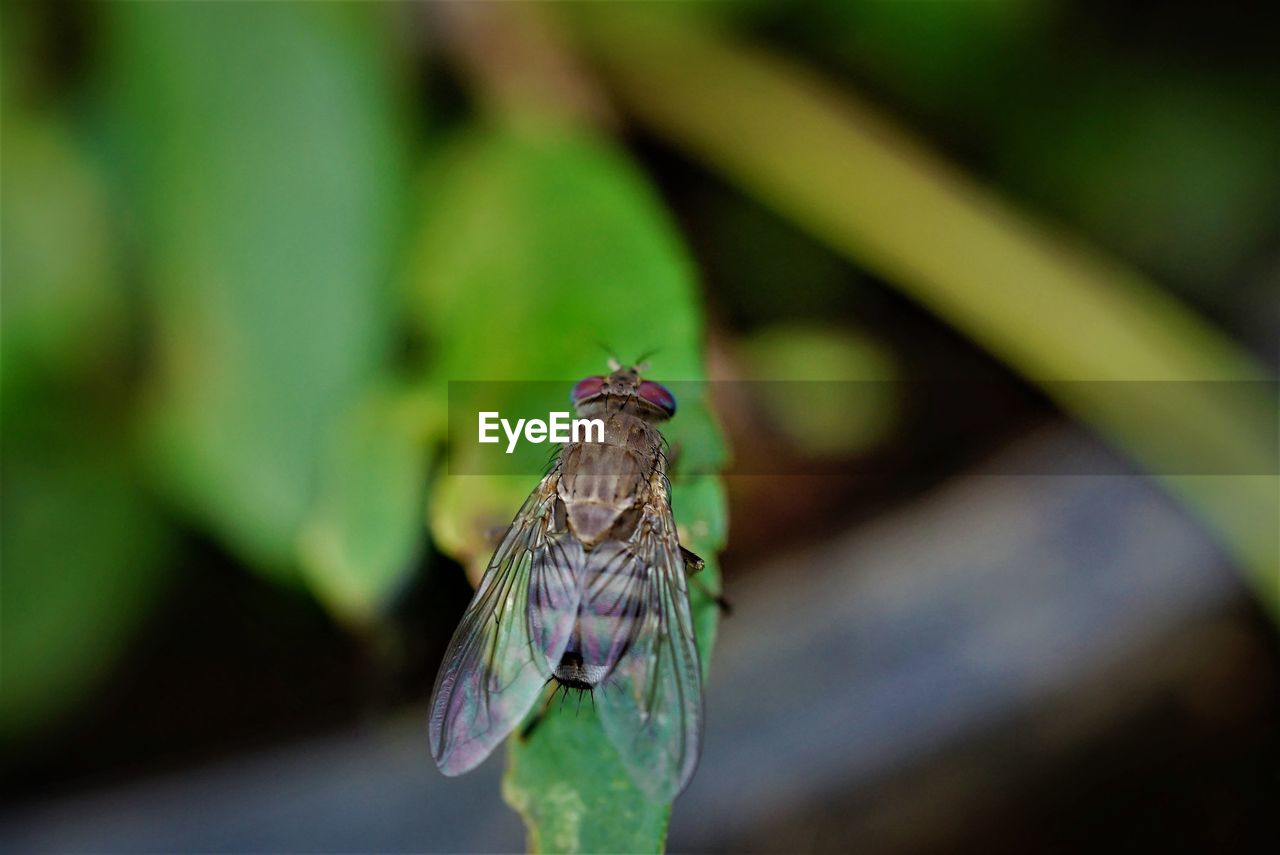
x=858 y=182
x=82 y=544
x=266 y=143
x=857 y=405
x=62 y=300
x=366 y=529
x=258 y=153
x=1189 y=206
x=83 y=562
x=587 y=258
x=934 y=56
x=1167 y=160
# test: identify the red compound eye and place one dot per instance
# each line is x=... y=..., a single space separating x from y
x=658 y=395
x=585 y=388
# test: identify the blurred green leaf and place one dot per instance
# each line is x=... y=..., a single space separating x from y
x=61 y=294
x=859 y=400
x=537 y=248
x=82 y=545
x=1051 y=309
x=266 y=138
x=553 y=244
x=369 y=524
x=23 y=35
x=83 y=552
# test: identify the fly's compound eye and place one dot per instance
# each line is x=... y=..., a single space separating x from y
x=586 y=388
x=658 y=395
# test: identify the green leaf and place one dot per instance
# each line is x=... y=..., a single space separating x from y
x=83 y=562
x=82 y=546
x=368 y=526
x=265 y=138
x=551 y=244
x=537 y=247
x=62 y=302
x=859 y=405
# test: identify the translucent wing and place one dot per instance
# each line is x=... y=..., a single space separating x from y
x=511 y=637
x=636 y=617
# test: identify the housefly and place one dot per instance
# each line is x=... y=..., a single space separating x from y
x=587 y=589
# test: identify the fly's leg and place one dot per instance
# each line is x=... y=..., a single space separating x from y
x=694 y=564
x=725 y=607
x=527 y=730
x=673 y=458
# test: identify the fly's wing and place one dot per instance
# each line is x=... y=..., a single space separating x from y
x=511 y=637
x=636 y=620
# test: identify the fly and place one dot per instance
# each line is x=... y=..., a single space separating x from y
x=587 y=588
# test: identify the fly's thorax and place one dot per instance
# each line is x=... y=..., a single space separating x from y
x=601 y=482
x=633 y=432
x=599 y=485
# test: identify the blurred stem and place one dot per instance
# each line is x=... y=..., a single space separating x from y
x=1053 y=310
x=516 y=61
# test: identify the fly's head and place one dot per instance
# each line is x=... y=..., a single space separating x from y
x=623 y=389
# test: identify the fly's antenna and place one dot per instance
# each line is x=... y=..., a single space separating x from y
x=641 y=363
x=614 y=362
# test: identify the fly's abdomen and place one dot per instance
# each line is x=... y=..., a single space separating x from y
x=613 y=611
